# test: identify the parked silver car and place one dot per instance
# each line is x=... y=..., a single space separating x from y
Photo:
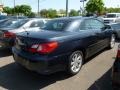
x=8 y=33
x=116 y=29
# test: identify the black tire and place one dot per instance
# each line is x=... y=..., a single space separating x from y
x=112 y=41
x=78 y=64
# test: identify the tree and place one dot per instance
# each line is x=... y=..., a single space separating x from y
x=44 y=13
x=62 y=11
x=94 y=6
x=17 y=9
x=32 y=15
x=112 y=10
x=25 y=9
x=7 y=10
x=73 y=13
x=52 y=13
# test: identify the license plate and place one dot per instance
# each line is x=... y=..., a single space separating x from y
x=22 y=61
x=17 y=46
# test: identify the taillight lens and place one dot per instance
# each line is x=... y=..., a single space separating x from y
x=118 y=53
x=9 y=35
x=44 y=48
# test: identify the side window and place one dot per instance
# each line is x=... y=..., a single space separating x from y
x=40 y=23
x=37 y=24
x=85 y=25
x=96 y=24
x=34 y=24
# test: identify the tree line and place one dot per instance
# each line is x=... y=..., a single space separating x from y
x=25 y=10
x=110 y=10
x=92 y=6
x=52 y=13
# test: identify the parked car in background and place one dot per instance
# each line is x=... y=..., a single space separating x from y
x=7 y=22
x=18 y=17
x=62 y=44
x=3 y=17
x=8 y=33
x=116 y=29
x=112 y=18
x=116 y=71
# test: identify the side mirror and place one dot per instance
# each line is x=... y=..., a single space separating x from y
x=106 y=27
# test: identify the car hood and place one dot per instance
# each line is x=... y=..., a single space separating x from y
x=109 y=18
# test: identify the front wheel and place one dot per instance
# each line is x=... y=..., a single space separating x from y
x=75 y=62
x=112 y=41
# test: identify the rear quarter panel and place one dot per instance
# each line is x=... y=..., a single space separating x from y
x=76 y=41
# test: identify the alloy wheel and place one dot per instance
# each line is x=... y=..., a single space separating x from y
x=112 y=42
x=76 y=62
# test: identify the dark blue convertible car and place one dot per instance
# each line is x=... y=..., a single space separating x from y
x=62 y=44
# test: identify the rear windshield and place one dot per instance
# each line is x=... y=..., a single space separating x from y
x=18 y=24
x=6 y=23
x=111 y=15
x=56 y=25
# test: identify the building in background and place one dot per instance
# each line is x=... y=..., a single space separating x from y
x=1 y=8
x=1 y=5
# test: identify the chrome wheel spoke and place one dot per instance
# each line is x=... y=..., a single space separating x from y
x=73 y=68
x=72 y=63
x=79 y=57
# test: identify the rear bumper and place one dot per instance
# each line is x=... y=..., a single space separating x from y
x=31 y=65
x=40 y=63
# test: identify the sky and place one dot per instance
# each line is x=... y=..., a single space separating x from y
x=56 y=4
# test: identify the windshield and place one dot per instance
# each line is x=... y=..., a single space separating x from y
x=111 y=15
x=56 y=25
x=116 y=26
x=18 y=24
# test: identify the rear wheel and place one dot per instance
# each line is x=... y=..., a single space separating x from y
x=75 y=62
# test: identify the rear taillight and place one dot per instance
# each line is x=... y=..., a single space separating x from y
x=9 y=35
x=118 y=53
x=44 y=48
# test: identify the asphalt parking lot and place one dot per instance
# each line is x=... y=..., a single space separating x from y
x=95 y=75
